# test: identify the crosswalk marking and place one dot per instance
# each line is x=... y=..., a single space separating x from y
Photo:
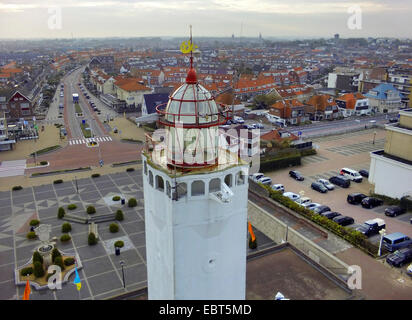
x=86 y=140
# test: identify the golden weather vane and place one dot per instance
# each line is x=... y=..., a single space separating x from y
x=188 y=46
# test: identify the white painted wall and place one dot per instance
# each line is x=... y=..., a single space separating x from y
x=390 y=177
x=196 y=247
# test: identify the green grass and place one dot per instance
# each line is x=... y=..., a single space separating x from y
x=78 y=108
x=86 y=133
x=48 y=149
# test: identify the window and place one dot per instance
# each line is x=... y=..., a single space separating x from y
x=145 y=167
x=151 y=178
x=198 y=188
x=240 y=178
x=160 y=185
x=214 y=185
x=168 y=189
x=181 y=190
x=228 y=180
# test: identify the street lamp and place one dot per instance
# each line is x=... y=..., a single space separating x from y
x=382 y=233
x=122 y=264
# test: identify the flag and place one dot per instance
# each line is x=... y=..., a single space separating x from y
x=26 y=295
x=251 y=231
x=77 y=281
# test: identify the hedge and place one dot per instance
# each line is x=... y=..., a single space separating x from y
x=61 y=213
x=114 y=228
x=31 y=235
x=308 y=152
x=119 y=244
x=119 y=215
x=34 y=222
x=71 y=206
x=130 y=169
x=91 y=240
x=278 y=163
x=26 y=271
x=38 y=269
x=388 y=200
x=59 y=262
x=58 y=181
x=66 y=227
x=65 y=237
x=95 y=175
x=43 y=163
x=91 y=210
x=116 y=198
x=55 y=253
x=37 y=257
x=132 y=202
x=354 y=237
x=16 y=188
x=69 y=261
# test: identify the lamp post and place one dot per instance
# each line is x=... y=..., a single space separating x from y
x=122 y=264
x=382 y=233
x=374 y=135
x=77 y=187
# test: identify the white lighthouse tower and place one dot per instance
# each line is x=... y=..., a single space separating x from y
x=195 y=199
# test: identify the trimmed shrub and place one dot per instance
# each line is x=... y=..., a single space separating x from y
x=119 y=215
x=92 y=240
x=16 y=188
x=114 y=227
x=38 y=270
x=130 y=169
x=43 y=163
x=55 y=253
x=34 y=222
x=278 y=163
x=252 y=244
x=119 y=244
x=69 y=261
x=59 y=262
x=95 y=175
x=91 y=210
x=65 y=237
x=37 y=257
x=58 y=181
x=26 y=271
x=132 y=203
x=61 y=213
x=71 y=206
x=31 y=235
x=116 y=198
x=309 y=152
x=66 y=227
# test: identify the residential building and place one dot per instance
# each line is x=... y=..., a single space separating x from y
x=324 y=107
x=351 y=104
x=390 y=170
x=385 y=98
x=15 y=105
x=131 y=91
x=105 y=63
x=292 y=111
x=5 y=142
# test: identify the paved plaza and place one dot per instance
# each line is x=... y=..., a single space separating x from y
x=101 y=274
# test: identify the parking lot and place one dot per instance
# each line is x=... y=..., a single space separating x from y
x=334 y=153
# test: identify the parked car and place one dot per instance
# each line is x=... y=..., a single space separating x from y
x=343 y=220
x=396 y=241
x=259 y=126
x=371 y=202
x=393 y=120
x=371 y=227
x=278 y=187
x=239 y=120
x=400 y=257
x=311 y=205
x=296 y=175
x=394 y=211
x=303 y=201
x=318 y=187
x=327 y=184
x=351 y=174
x=266 y=181
x=330 y=214
x=256 y=176
x=356 y=198
x=340 y=181
x=364 y=173
x=321 y=209
x=291 y=196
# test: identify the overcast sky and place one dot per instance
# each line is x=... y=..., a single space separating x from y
x=222 y=18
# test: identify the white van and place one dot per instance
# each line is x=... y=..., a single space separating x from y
x=351 y=174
